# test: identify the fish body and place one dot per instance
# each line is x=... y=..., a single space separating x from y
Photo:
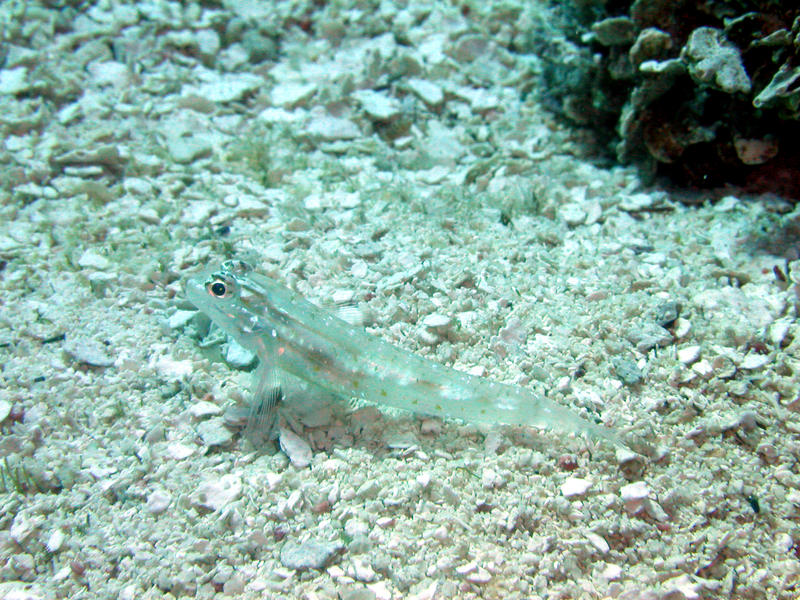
x=292 y=335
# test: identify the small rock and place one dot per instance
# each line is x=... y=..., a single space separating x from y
x=636 y=202
x=216 y=494
x=755 y=151
x=480 y=576
x=88 y=352
x=238 y=356
x=430 y=93
x=178 y=451
x=778 y=332
x=14 y=81
x=208 y=42
x=598 y=542
x=5 y=410
x=311 y=554
x=575 y=486
x=55 y=541
x=437 y=323
x=666 y=313
x=137 y=186
x=357 y=594
x=647 y=336
x=292 y=93
x=226 y=88
x=257 y=46
x=91 y=259
x=295 y=447
x=378 y=106
x=368 y=489
x=109 y=73
x=158 y=502
x=203 y=408
x=329 y=129
x=248 y=206
x=611 y=572
x=627 y=370
x=572 y=214
x=185 y=149
x=214 y=433
x=682 y=327
x=655 y=510
x=754 y=361
x=633 y=492
x=180 y=319
x=689 y=354
x=355 y=528
x=106 y=155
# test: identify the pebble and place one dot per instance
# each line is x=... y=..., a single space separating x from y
x=377 y=105
x=137 y=186
x=216 y=494
x=225 y=88
x=311 y=554
x=572 y=214
x=158 y=502
x=649 y=335
x=666 y=313
x=180 y=319
x=778 y=332
x=248 y=206
x=5 y=410
x=598 y=542
x=330 y=129
x=689 y=354
x=91 y=259
x=636 y=202
x=634 y=492
x=178 y=451
x=682 y=327
x=88 y=352
x=110 y=73
x=355 y=528
x=627 y=370
x=703 y=368
x=754 y=361
x=292 y=93
x=480 y=576
x=611 y=572
x=358 y=594
x=575 y=486
x=430 y=427
x=203 y=408
x=430 y=93
x=214 y=433
x=185 y=149
x=14 y=81
x=437 y=323
x=296 y=448
x=208 y=42
x=55 y=541
x=169 y=367
x=238 y=356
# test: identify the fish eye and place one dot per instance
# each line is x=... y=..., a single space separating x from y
x=218 y=288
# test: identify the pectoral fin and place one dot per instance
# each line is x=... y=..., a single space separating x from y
x=267 y=392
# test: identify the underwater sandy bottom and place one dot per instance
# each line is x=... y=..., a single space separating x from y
x=409 y=180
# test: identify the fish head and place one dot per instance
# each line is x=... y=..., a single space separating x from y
x=232 y=300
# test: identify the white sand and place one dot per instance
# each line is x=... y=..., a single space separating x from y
x=123 y=173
